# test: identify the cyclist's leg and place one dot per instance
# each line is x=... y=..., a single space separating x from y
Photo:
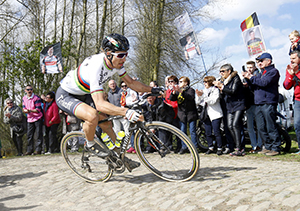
x=107 y=128
x=76 y=105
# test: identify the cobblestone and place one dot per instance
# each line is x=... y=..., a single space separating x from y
x=35 y=183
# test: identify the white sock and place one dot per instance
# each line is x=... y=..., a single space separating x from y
x=90 y=143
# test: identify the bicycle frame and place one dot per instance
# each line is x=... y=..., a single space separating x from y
x=133 y=127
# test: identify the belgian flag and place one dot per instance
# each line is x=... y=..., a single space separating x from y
x=250 y=22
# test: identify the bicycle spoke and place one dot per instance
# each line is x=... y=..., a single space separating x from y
x=84 y=164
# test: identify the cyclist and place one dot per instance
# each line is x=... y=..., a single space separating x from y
x=81 y=92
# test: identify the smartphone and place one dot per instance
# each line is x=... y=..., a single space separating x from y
x=243 y=68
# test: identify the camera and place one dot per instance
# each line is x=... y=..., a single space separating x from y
x=243 y=68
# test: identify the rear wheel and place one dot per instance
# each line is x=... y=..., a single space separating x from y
x=84 y=164
x=162 y=162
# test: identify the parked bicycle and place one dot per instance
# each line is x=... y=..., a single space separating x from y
x=164 y=164
x=284 y=136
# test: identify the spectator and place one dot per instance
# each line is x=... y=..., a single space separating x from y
x=32 y=107
x=292 y=80
x=295 y=40
x=151 y=109
x=51 y=122
x=153 y=84
x=187 y=111
x=0 y=149
x=232 y=88
x=211 y=96
x=167 y=82
x=229 y=142
x=266 y=94
x=255 y=139
x=114 y=97
x=69 y=124
x=128 y=97
x=170 y=109
x=13 y=116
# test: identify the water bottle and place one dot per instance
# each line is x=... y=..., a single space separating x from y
x=120 y=136
x=106 y=139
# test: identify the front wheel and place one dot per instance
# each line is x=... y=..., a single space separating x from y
x=84 y=164
x=162 y=162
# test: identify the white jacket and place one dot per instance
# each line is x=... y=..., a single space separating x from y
x=211 y=96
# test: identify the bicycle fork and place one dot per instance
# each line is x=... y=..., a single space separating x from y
x=153 y=139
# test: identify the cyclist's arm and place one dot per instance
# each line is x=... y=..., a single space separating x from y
x=105 y=107
x=108 y=108
x=136 y=85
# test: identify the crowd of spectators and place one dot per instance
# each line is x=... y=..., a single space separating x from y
x=252 y=93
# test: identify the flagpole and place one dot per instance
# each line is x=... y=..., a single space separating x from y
x=200 y=52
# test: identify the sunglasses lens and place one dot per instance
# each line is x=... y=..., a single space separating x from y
x=121 y=55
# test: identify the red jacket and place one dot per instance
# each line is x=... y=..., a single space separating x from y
x=174 y=104
x=290 y=82
x=51 y=114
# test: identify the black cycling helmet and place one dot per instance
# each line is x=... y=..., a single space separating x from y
x=115 y=42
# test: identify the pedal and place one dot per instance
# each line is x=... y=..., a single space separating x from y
x=116 y=164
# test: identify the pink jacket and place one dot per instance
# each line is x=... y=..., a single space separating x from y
x=33 y=103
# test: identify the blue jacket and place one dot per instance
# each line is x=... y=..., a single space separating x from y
x=265 y=86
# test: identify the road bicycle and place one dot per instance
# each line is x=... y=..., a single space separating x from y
x=162 y=162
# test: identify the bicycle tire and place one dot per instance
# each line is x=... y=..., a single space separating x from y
x=172 y=166
x=85 y=165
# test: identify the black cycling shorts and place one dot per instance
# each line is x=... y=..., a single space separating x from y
x=69 y=102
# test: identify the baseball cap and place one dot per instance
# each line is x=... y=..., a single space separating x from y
x=264 y=56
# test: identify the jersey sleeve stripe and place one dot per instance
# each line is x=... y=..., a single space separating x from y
x=82 y=85
x=97 y=91
x=125 y=73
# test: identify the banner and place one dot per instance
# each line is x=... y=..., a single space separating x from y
x=51 y=59
x=188 y=40
x=252 y=35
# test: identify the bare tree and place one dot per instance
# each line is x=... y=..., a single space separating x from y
x=63 y=22
x=82 y=33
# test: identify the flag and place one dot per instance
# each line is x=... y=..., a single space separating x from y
x=51 y=59
x=183 y=24
x=253 y=36
x=250 y=22
x=188 y=39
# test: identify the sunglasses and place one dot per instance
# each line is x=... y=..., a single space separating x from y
x=29 y=89
x=124 y=86
x=222 y=71
x=9 y=103
x=120 y=55
x=258 y=61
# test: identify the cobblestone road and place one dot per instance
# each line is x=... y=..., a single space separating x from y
x=42 y=183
